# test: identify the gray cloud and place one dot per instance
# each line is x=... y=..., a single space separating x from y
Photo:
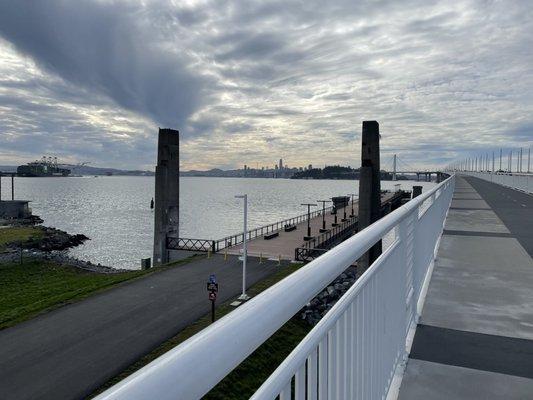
x=252 y=81
x=105 y=48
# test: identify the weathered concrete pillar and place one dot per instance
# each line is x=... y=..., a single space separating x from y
x=417 y=191
x=166 y=193
x=369 y=188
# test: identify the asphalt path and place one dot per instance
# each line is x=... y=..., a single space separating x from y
x=513 y=207
x=70 y=352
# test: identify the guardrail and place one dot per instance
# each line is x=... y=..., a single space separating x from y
x=351 y=353
x=514 y=180
x=174 y=243
x=238 y=238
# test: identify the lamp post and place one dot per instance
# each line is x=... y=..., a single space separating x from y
x=244 y=296
x=323 y=214
x=309 y=205
x=352 y=195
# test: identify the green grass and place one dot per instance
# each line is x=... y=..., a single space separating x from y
x=34 y=287
x=251 y=373
x=18 y=234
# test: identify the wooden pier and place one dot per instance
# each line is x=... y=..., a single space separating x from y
x=284 y=244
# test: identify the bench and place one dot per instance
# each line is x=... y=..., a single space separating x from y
x=289 y=228
x=271 y=235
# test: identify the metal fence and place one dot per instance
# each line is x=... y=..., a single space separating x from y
x=175 y=243
x=352 y=353
x=514 y=180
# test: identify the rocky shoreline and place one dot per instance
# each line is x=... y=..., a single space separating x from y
x=51 y=246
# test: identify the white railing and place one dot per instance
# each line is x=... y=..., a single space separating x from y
x=514 y=180
x=351 y=353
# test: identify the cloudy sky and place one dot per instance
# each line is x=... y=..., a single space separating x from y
x=248 y=82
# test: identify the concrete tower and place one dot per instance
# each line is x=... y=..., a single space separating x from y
x=369 y=188
x=167 y=197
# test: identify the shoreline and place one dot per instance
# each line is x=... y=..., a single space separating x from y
x=48 y=244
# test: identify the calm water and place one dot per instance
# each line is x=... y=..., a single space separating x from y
x=115 y=211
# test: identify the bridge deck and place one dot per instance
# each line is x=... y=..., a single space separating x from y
x=475 y=337
x=283 y=245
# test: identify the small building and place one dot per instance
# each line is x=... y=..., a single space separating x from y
x=14 y=209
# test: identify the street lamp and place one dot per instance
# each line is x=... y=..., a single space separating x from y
x=323 y=214
x=309 y=205
x=244 y=296
x=352 y=194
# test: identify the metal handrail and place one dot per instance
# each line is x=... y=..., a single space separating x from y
x=191 y=369
x=238 y=238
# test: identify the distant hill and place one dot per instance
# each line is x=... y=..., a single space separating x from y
x=88 y=170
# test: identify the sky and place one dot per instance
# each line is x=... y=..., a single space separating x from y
x=250 y=82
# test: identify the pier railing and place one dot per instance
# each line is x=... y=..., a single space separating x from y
x=315 y=246
x=175 y=243
x=514 y=180
x=352 y=353
x=319 y=244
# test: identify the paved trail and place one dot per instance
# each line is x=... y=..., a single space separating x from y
x=475 y=336
x=70 y=352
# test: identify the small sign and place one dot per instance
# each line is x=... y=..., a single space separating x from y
x=212 y=296
x=212 y=287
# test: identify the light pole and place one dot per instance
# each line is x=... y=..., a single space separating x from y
x=309 y=205
x=323 y=214
x=352 y=195
x=244 y=296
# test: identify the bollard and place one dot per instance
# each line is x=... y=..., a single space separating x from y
x=225 y=254
x=260 y=258
x=209 y=253
x=279 y=259
x=146 y=263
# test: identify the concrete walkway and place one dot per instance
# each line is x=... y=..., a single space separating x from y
x=475 y=336
x=70 y=352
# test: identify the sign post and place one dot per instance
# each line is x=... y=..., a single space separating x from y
x=212 y=289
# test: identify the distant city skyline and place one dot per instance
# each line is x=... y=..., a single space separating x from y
x=254 y=81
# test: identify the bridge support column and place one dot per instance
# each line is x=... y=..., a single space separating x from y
x=166 y=193
x=369 y=189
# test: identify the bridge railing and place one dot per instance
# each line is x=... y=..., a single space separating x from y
x=514 y=180
x=352 y=352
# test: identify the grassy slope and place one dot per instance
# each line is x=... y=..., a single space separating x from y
x=34 y=287
x=246 y=378
x=18 y=234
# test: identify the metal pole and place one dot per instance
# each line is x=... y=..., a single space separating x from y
x=12 y=186
x=528 y=160
x=500 y=159
x=520 y=160
x=351 y=194
x=323 y=212
x=309 y=205
x=393 y=169
x=492 y=171
x=244 y=296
